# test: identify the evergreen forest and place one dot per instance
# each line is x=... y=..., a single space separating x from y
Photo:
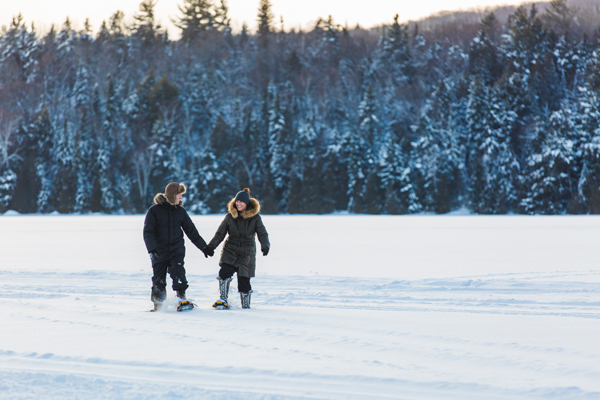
x=494 y=112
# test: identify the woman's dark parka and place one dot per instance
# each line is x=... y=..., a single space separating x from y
x=163 y=229
x=239 y=249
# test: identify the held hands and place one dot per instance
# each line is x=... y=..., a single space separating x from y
x=153 y=256
x=208 y=251
x=265 y=251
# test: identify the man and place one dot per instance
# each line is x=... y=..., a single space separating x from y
x=165 y=223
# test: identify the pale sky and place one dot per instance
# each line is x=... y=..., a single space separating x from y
x=295 y=13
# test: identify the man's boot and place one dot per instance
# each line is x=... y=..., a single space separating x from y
x=245 y=297
x=181 y=294
x=158 y=296
x=157 y=306
x=222 y=303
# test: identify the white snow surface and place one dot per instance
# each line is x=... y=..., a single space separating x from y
x=344 y=307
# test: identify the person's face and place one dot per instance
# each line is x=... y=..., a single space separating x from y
x=240 y=205
x=179 y=198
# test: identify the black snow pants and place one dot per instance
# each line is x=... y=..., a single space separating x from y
x=159 y=281
x=227 y=271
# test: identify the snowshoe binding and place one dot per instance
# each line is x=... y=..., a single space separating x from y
x=221 y=305
x=185 y=305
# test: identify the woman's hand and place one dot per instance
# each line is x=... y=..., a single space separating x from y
x=208 y=251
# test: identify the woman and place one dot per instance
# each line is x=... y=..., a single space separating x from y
x=242 y=222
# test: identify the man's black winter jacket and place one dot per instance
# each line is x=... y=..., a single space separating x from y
x=163 y=229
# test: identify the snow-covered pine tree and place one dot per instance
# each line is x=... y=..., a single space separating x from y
x=66 y=39
x=395 y=175
x=548 y=167
x=9 y=126
x=525 y=44
x=491 y=163
x=359 y=161
x=206 y=187
x=280 y=147
x=479 y=131
x=41 y=132
x=372 y=195
x=395 y=45
x=304 y=177
x=8 y=181
x=19 y=51
x=438 y=157
x=368 y=122
x=588 y=185
x=484 y=58
x=165 y=139
x=217 y=166
x=64 y=170
x=84 y=146
x=106 y=161
x=198 y=105
x=84 y=162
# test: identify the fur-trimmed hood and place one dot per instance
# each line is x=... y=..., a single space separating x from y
x=252 y=210
x=161 y=199
x=170 y=194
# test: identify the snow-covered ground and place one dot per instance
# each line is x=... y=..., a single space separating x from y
x=345 y=307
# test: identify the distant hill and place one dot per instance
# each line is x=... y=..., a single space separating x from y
x=467 y=21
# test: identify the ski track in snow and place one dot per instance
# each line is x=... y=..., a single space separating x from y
x=353 y=326
x=345 y=307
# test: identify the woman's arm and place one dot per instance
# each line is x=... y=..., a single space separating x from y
x=221 y=233
x=263 y=236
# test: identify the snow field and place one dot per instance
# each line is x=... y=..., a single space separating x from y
x=345 y=307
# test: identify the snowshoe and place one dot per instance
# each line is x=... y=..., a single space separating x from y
x=185 y=305
x=221 y=305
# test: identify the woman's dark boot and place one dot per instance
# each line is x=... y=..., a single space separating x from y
x=222 y=303
x=245 y=297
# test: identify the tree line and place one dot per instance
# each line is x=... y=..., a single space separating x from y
x=496 y=116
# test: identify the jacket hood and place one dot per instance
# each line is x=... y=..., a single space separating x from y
x=161 y=199
x=252 y=210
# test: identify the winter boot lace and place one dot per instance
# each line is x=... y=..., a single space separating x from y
x=245 y=297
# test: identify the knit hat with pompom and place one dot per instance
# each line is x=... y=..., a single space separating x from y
x=243 y=195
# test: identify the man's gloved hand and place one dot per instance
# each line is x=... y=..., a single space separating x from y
x=153 y=256
x=265 y=251
x=208 y=251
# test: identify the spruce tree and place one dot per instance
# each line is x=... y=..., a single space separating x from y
x=265 y=22
x=145 y=28
x=42 y=134
x=9 y=136
x=19 y=52
x=359 y=161
x=548 y=167
x=200 y=16
x=437 y=153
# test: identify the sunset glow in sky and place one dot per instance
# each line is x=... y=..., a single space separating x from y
x=296 y=14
